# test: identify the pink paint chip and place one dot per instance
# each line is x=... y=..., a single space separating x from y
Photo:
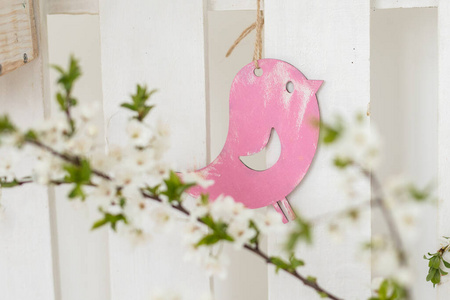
x=283 y=99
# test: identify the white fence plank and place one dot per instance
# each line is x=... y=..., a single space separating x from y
x=26 y=266
x=162 y=45
x=376 y=4
x=328 y=41
x=232 y=4
x=444 y=129
x=73 y=7
x=81 y=257
x=247 y=274
x=387 y=4
x=404 y=96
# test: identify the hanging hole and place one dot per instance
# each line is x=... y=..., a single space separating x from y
x=258 y=72
x=290 y=87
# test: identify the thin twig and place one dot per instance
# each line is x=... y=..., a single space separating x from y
x=77 y=161
x=68 y=158
x=387 y=215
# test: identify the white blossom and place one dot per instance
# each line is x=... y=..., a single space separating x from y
x=195 y=177
x=8 y=160
x=47 y=168
x=192 y=233
x=142 y=161
x=407 y=219
x=271 y=221
x=104 y=194
x=240 y=231
x=162 y=218
x=53 y=132
x=138 y=133
x=87 y=111
x=222 y=208
x=216 y=265
x=360 y=143
x=160 y=142
x=101 y=161
x=195 y=254
x=11 y=139
x=195 y=207
x=444 y=242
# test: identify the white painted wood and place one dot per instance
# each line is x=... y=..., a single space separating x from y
x=247 y=274
x=162 y=45
x=232 y=4
x=376 y=4
x=26 y=270
x=329 y=41
x=387 y=4
x=443 y=129
x=404 y=96
x=73 y=7
x=83 y=254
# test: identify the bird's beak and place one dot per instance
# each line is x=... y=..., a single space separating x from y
x=315 y=84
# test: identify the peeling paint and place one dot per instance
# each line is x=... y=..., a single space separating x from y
x=258 y=104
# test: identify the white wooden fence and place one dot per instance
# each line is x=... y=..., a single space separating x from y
x=165 y=43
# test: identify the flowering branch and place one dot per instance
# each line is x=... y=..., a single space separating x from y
x=66 y=161
x=177 y=205
x=137 y=193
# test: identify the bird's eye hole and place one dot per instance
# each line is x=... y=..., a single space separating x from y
x=258 y=72
x=289 y=87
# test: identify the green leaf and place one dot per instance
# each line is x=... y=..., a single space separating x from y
x=77 y=192
x=61 y=101
x=31 y=135
x=279 y=264
x=383 y=289
x=9 y=184
x=79 y=175
x=67 y=78
x=431 y=273
x=418 y=194
x=295 y=263
x=210 y=239
x=446 y=264
x=330 y=133
x=301 y=232
x=435 y=262
x=204 y=199
x=154 y=191
x=175 y=187
x=436 y=278
x=6 y=126
x=311 y=279
x=139 y=102
x=129 y=106
x=110 y=219
x=255 y=239
x=342 y=163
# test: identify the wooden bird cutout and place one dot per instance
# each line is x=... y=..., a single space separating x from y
x=259 y=104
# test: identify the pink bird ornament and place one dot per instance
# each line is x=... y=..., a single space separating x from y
x=281 y=99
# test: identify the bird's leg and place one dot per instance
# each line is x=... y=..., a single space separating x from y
x=288 y=209
x=280 y=211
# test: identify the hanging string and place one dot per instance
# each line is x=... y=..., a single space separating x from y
x=258 y=25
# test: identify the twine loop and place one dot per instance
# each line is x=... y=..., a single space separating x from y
x=258 y=25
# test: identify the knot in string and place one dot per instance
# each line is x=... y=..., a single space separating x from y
x=258 y=25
